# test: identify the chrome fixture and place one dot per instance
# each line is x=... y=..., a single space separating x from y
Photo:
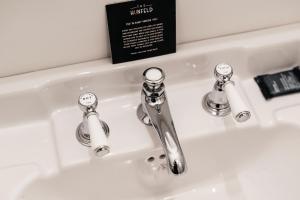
x=155 y=111
x=92 y=132
x=224 y=97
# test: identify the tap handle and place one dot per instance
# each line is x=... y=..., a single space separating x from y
x=88 y=102
x=97 y=129
x=99 y=142
x=153 y=77
x=223 y=72
x=238 y=107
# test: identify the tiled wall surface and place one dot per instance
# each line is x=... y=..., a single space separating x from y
x=40 y=34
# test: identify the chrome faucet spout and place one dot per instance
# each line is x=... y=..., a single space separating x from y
x=160 y=116
x=156 y=108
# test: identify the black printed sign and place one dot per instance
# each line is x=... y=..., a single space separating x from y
x=141 y=29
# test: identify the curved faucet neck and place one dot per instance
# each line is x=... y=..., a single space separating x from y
x=157 y=108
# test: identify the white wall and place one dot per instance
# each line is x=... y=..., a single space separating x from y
x=40 y=34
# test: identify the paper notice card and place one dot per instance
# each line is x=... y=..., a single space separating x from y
x=141 y=29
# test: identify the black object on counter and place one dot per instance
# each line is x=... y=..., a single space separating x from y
x=279 y=84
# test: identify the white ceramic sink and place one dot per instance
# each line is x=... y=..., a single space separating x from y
x=40 y=157
x=249 y=164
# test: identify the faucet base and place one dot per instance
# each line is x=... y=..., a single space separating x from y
x=215 y=109
x=142 y=116
x=83 y=136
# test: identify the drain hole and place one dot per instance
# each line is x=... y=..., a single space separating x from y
x=151 y=159
x=162 y=156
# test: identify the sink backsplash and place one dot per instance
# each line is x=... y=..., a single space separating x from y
x=37 y=35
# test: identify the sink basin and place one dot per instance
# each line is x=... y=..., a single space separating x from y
x=256 y=160
x=250 y=164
